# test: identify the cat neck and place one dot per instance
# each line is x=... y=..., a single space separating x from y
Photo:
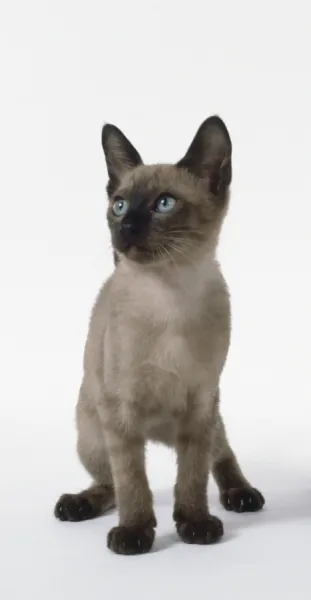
x=190 y=272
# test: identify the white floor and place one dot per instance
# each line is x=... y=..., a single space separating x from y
x=264 y=555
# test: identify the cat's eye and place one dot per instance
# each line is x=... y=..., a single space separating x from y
x=120 y=207
x=165 y=204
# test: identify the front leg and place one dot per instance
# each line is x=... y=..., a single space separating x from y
x=194 y=523
x=135 y=532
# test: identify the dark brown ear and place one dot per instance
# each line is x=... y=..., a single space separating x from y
x=120 y=154
x=209 y=155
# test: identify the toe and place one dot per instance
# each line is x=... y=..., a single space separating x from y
x=207 y=531
x=242 y=500
x=130 y=540
x=72 y=507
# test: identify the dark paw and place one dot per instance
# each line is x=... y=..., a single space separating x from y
x=208 y=531
x=73 y=507
x=242 y=500
x=130 y=540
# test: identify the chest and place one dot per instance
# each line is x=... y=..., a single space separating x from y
x=156 y=363
x=161 y=334
x=173 y=350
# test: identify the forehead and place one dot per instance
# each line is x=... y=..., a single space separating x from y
x=147 y=182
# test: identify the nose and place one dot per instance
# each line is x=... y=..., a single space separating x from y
x=132 y=228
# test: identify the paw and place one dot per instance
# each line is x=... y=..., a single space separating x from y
x=130 y=540
x=207 y=531
x=242 y=500
x=73 y=507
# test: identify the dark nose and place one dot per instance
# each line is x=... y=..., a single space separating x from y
x=132 y=228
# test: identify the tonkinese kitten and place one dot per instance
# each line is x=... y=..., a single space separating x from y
x=157 y=344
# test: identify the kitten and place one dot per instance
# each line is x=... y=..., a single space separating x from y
x=157 y=344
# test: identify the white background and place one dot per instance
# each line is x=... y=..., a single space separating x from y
x=156 y=69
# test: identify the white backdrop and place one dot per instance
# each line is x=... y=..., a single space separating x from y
x=156 y=69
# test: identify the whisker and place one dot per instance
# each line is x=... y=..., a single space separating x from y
x=176 y=249
x=185 y=229
x=180 y=279
x=162 y=255
x=181 y=242
x=182 y=239
x=170 y=256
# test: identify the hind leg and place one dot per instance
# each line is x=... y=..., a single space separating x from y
x=236 y=493
x=100 y=496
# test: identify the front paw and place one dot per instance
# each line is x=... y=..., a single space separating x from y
x=73 y=507
x=242 y=500
x=206 y=531
x=131 y=540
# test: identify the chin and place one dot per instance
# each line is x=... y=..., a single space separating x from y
x=140 y=255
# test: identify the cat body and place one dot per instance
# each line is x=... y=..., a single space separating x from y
x=164 y=337
x=158 y=341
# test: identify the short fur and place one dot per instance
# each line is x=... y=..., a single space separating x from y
x=157 y=344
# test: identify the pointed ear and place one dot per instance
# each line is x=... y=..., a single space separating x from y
x=120 y=155
x=209 y=155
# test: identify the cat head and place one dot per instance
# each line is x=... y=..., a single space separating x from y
x=171 y=212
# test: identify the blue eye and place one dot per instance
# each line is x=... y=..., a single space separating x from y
x=165 y=204
x=120 y=207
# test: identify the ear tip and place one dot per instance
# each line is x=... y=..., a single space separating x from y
x=217 y=124
x=107 y=129
x=216 y=118
x=217 y=121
